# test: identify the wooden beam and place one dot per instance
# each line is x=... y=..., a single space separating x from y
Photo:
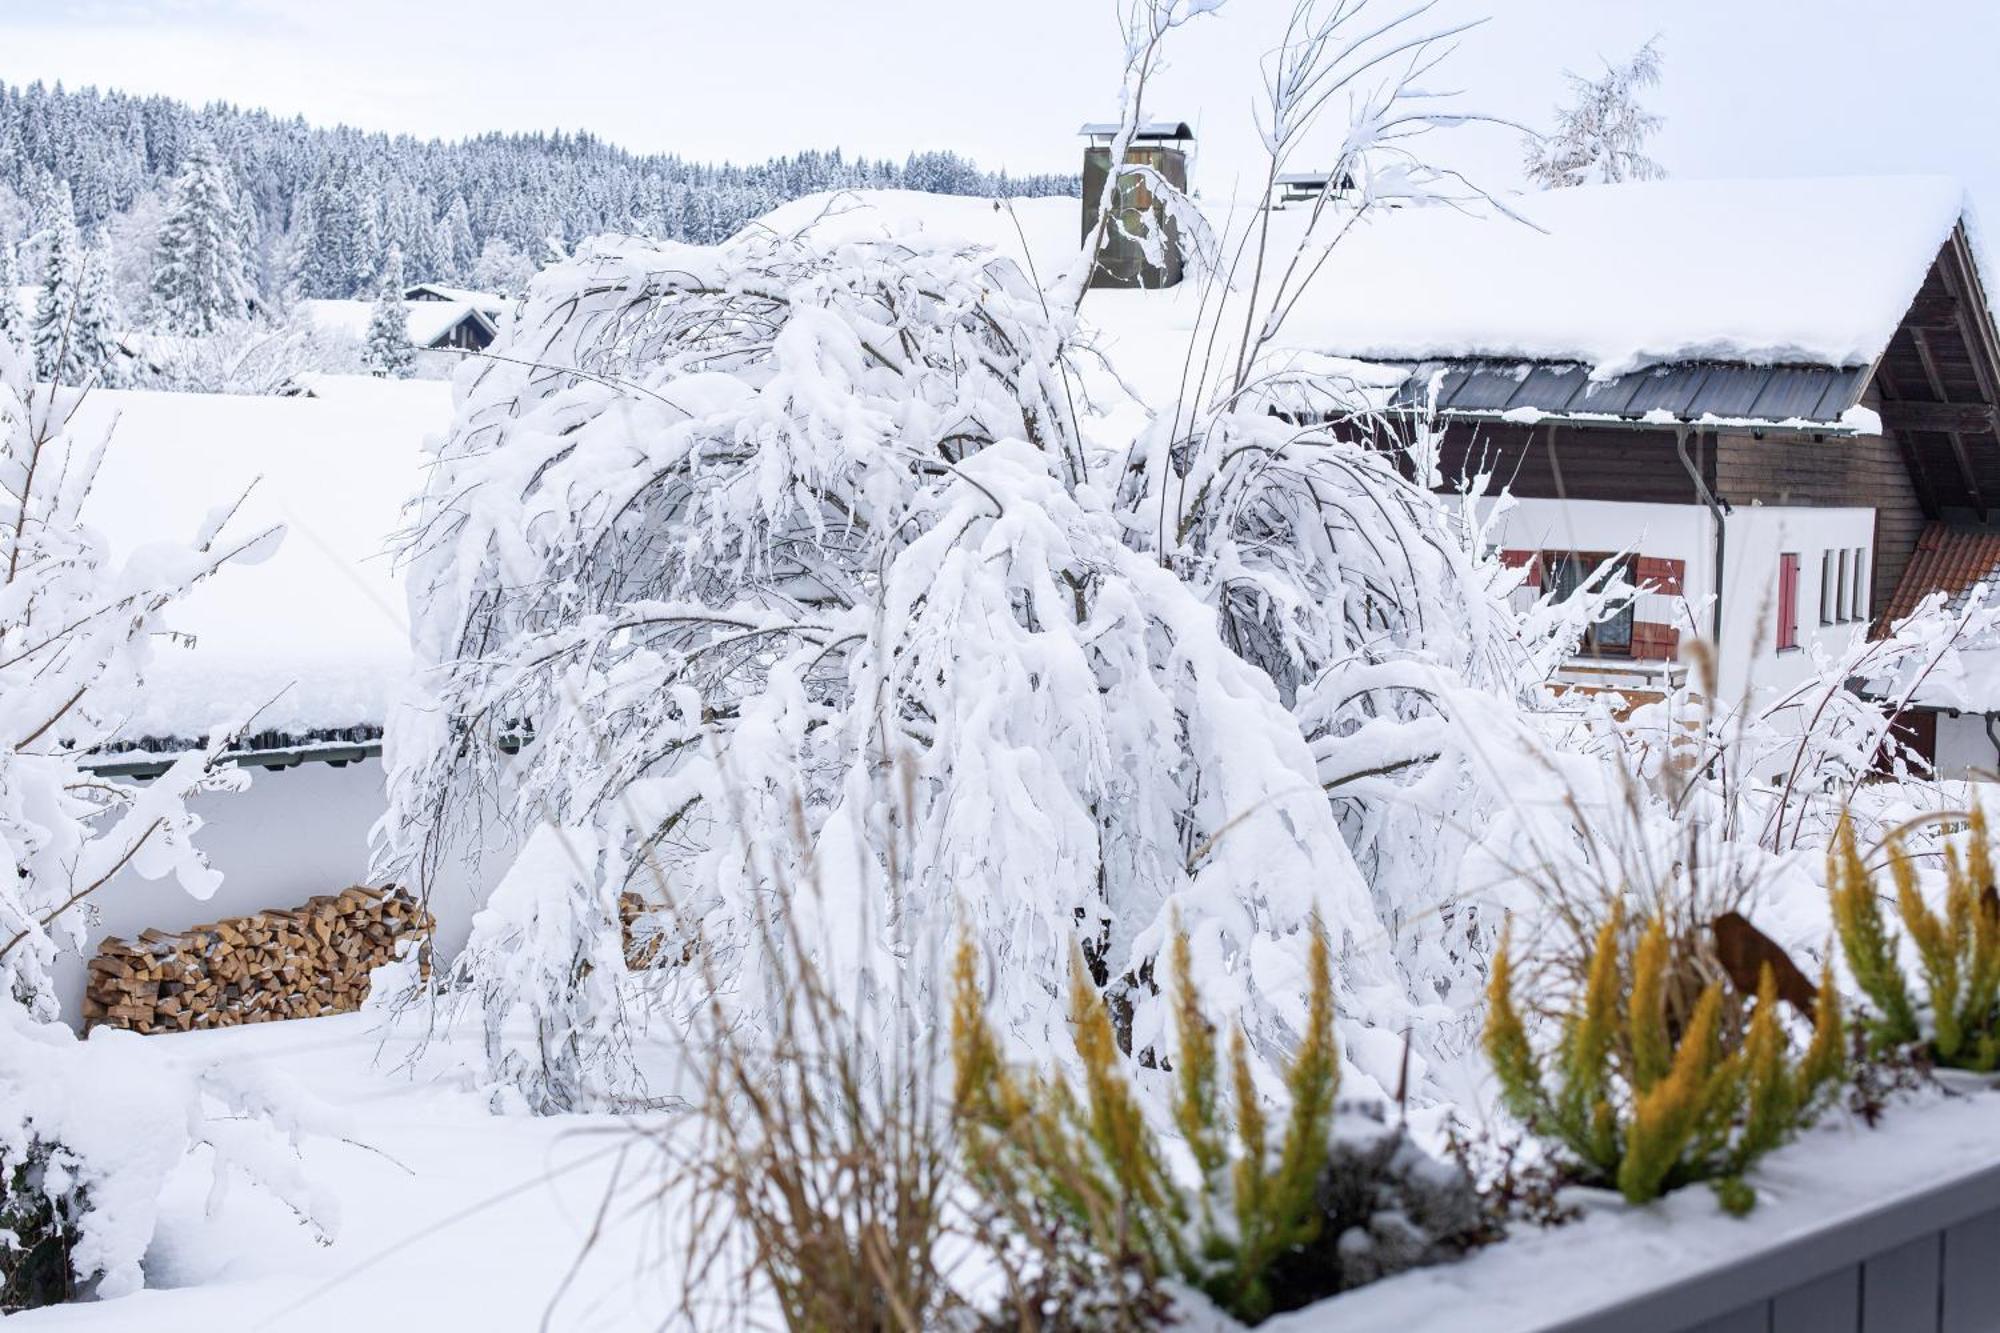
x=1949 y=418
x=1933 y=312
x=1958 y=450
x=1913 y=463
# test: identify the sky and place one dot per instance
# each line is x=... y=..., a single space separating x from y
x=1753 y=87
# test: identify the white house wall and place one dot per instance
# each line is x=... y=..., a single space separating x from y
x=1964 y=747
x=1755 y=536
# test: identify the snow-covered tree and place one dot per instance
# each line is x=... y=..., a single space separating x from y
x=95 y=330
x=59 y=351
x=387 y=351
x=1602 y=133
x=13 y=320
x=730 y=533
x=198 y=262
x=800 y=512
x=502 y=268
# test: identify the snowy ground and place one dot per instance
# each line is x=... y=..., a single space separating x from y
x=451 y=1217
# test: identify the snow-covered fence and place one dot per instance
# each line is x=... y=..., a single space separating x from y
x=1926 y=1263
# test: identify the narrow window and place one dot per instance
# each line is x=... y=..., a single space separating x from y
x=1829 y=593
x=1788 y=600
x=1858 y=608
x=1842 y=604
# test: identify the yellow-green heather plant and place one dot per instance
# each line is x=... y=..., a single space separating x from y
x=1035 y=1148
x=1637 y=1106
x=1957 y=953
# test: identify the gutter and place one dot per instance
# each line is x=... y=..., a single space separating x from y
x=150 y=764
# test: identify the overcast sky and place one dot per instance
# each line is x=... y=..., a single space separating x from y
x=1753 y=87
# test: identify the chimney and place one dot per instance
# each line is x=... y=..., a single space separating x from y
x=1162 y=145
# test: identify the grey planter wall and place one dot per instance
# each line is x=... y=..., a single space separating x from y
x=1929 y=1263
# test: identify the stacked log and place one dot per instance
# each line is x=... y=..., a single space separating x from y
x=294 y=963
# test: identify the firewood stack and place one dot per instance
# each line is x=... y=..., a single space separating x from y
x=251 y=969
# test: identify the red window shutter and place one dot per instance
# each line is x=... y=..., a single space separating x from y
x=1654 y=642
x=1665 y=577
x=1788 y=600
x=1530 y=560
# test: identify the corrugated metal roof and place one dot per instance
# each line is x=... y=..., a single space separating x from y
x=1948 y=560
x=1690 y=391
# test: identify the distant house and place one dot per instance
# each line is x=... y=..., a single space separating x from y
x=490 y=304
x=435 y=324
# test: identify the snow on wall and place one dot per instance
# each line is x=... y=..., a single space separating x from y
x=1617 y=277
x=318 y=631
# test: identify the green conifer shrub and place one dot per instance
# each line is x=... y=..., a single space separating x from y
x=1638 y=1107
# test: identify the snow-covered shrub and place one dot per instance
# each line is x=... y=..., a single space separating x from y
x=811 y=1167
x=1388 y=1206
x=1956 y=1022
x=248 y=356
x=546 y=961
x=77 y=630
x=724 y=527
x=1646 y=1095
x=88 y=1130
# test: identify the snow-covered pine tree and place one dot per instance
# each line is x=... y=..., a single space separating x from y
x=387 y=351
x=198 y=269
x=95 y=331
x=13 y=320
x=58 y=352
x=1601 y=135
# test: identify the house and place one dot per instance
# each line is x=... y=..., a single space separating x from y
x=490 y=304
x=311 y=644
x=445 y=327
x=1766 y=399
x=1772 y=402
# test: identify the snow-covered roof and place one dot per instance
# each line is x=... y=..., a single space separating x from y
x=318 y=629
x=429 y=321
x=490 y=304
x=1151 y=129
x=1615 y=278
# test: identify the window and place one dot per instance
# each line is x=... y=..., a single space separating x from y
x=1857 y=608
x=1788 y=600
x=1840 y=605
x=1829 y=590
x=1569 y=570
